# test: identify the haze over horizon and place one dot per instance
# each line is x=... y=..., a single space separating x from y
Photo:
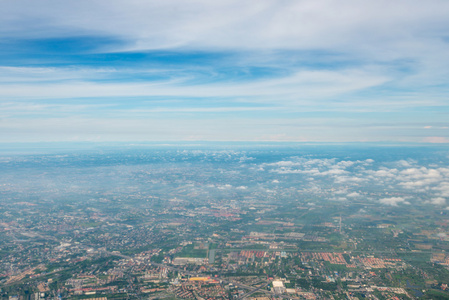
x=301 y=71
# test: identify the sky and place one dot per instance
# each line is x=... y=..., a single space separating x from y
x=201 y=70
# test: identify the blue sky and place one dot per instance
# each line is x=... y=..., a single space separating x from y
x=313 y=71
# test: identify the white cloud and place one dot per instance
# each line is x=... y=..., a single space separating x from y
x=364 y=46
x=438 y=201
x=224 y=187
x=393 y=201
x=436 y=140
x=341 y=199
x=237 y=24
x=353 y=195
x=283 y=91
x=349 y=179
x=415 y=177
x=345 y=164
x=383 y=173
x=442 y=189
x=334 y=172
x=405 y=163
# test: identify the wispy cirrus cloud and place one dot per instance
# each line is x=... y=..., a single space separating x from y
x=368 y=62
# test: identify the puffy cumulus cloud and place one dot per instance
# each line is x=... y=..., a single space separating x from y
x=339 y=199
x=348 y=172
x=417 y=177
x=304 y=162
x=349 y=179
x=438 y=201
x=411 y=177
x=224 y=187
x=444 y=171
x=314 y=167
x=334 y=172
x=393 y=201
x=422 y=172
x=325 y=162
x=353 y=195
x=290 y=171
x=416 y=185
x=442 y=189
x=283 y=163
x=340 y=192
x=345 y=164
x=246 y=159
x=382 y=173
x=406 y=163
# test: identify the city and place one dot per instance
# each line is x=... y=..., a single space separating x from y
x=223 y=224
x=225 y=149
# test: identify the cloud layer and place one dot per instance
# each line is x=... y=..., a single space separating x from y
x=298 y=70
x=388 y=183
